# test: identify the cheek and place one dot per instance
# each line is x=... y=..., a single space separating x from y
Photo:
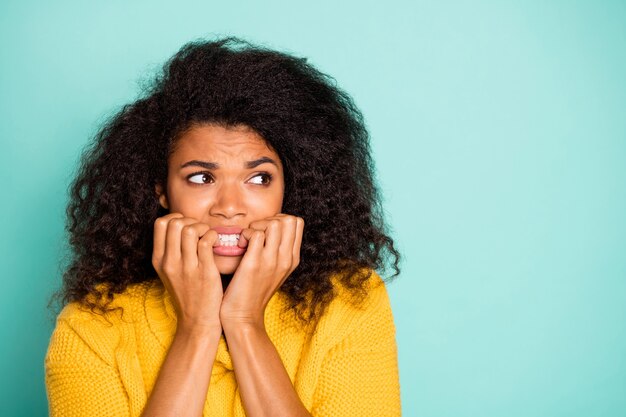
x=269 y=201
x=280 y=197
x=190 y=204
x=265 y=209
x=266 y=205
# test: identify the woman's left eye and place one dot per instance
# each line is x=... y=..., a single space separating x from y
x=261 y=179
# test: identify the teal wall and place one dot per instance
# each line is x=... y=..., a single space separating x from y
x=499 y=130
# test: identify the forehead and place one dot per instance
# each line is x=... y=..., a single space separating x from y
x=218 y=143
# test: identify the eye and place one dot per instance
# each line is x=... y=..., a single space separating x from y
x=261 y=179
x=201 y=178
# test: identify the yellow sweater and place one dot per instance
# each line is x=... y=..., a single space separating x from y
x=346 y=366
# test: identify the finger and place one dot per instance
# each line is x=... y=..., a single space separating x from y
x=256 y=242
x=263 y=223
x=259 y=225
x=205 y=249
x=243 y=240
x=273 y=236
x=160 y=231
x=190 y=235
x=246 y=234
x=285 y=250
x=297 y=244
x=173 y=238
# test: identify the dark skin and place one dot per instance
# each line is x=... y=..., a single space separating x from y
x=241 y=188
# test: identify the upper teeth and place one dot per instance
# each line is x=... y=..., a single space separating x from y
x=228 y=240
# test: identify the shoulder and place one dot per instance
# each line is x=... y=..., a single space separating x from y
x=79 y=326
x=373 y=297
x=348 y=313
x=121 y=307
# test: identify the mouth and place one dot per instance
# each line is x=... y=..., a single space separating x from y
x=230 y=241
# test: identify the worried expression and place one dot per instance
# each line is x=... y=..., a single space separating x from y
x=226 y=177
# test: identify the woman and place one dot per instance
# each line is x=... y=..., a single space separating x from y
x=196 y=287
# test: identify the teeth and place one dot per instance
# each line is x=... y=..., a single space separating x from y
x=228 y=240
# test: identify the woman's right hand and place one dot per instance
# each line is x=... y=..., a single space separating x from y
x=183 y=259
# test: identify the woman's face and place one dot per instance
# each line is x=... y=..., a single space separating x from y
x=226 y=177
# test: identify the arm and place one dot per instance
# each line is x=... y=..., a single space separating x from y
x=79 y=382
x=184 y=377
x=264 y=384
x=82 y=380
x=359 y=375
x=273 y=253
x=193 y=281
x=183 y=258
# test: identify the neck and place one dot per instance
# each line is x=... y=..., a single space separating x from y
x=226 y=278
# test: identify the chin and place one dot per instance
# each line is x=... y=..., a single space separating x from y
x=227 y=264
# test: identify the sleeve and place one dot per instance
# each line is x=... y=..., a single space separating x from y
x=359 y=375
x=79 y=382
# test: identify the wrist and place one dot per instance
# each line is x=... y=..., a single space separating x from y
x=198 y=333
x=241 y=325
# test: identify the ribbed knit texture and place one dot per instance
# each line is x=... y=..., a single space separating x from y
x=345 y=365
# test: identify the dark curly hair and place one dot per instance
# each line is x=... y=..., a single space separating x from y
x=314 y=127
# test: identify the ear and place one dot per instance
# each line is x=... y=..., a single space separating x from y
x=160 y=192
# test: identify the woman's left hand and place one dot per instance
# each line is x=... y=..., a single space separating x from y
x=273 y=253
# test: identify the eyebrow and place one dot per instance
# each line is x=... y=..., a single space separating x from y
x=214 y=165
x=260 y=161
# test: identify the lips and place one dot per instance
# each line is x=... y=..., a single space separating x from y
x=230 y=242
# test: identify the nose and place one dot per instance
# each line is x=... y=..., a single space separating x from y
x=229 y=201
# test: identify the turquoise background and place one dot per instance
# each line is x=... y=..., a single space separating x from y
x=499 y=131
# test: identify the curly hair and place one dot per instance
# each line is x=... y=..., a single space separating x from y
x=313 y=126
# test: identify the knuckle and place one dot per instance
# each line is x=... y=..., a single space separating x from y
x=160 y=222
x=188 y=231
x=177 y=223
x=285 y=264
x=271 y=263
x=188 y=270
x=168 y=269
x=204 y=244
x=273 y=225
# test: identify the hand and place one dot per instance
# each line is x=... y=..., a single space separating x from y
x=273 y=253
x=183 y=259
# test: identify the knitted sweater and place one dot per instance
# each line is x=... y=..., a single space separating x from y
x=345 y=364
